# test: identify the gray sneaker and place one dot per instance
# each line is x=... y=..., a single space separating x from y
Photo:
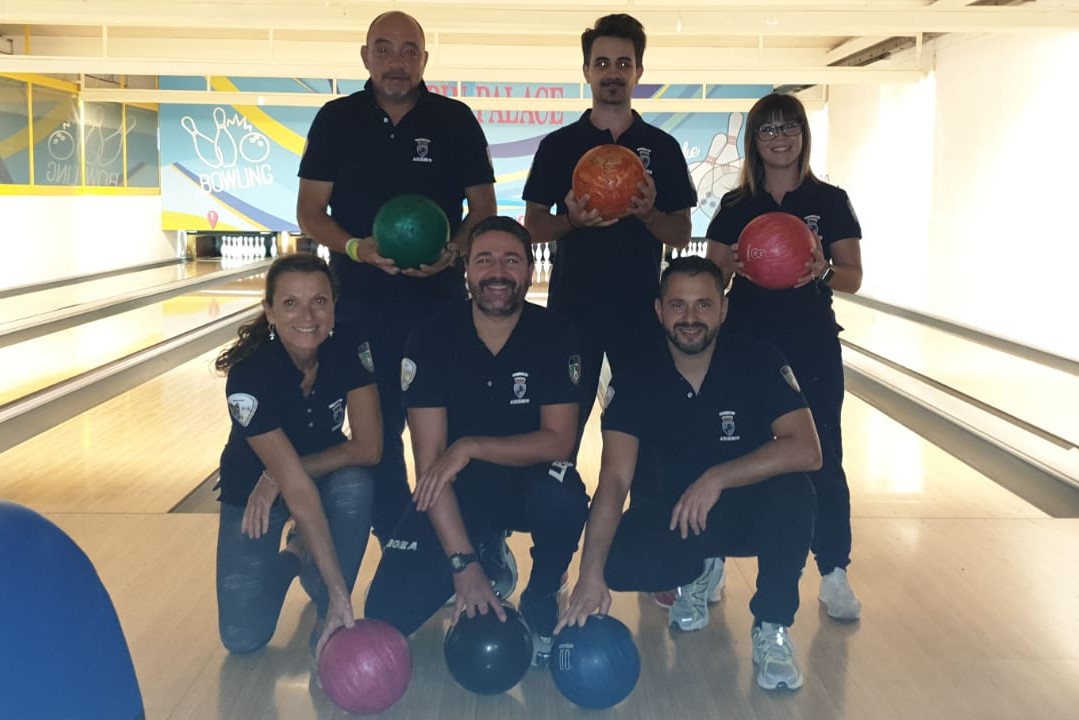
x=689 y=611
x=773 y=654
x=499 y=565
x=541 y=614
x=837 y=596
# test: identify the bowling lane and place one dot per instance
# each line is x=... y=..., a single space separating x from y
x=142 y=451
x=1039 y=395
x=58 y=356
x=25 y=306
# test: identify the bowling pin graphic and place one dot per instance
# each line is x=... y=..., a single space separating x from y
x=205 y=146
x=223 y=140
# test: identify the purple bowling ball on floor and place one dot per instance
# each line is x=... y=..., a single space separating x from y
x=365 y=668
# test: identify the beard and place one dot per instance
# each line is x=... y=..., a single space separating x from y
x=612 y=92
x=500 y=307
x=695 y=347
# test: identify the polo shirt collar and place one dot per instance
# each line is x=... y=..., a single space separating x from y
x=586 y=122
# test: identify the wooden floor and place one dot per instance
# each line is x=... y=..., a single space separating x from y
x=970 y=594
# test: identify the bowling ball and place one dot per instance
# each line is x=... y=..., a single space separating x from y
x=609 y=175
x=411 y=230
x=486 y=655
x=365 y=668
x=774 y=249
x=595 y=666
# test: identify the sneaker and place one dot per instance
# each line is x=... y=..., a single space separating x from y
x=837 y=596
x=689 y=611
x=773 y=654
x=541 y=614
x=499 y=565
x=666 y=598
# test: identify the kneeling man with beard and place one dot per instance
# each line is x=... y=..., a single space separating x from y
x=723 y=423
x=490 y=386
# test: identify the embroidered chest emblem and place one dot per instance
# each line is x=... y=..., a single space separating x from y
x=727 y=428
x=520 y=389
x=423 y=150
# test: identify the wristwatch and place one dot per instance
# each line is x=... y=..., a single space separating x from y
x=826 y=275
x=459 y=561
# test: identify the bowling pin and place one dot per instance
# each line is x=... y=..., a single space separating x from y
x=205 y=147
x=224 y=143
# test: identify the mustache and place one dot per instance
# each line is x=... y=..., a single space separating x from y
x=510 y=282
x=613 y=82
x=691 y=326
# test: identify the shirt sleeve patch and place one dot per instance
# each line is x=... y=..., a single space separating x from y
x=788 y=375
x=242 y=407
x=575 y=369
x=408 y=373
x=364 y=353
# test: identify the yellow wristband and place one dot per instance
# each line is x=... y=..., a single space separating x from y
x=350 y=249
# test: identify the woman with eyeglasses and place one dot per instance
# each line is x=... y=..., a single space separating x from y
x=800 y=321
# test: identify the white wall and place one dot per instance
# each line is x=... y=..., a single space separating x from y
x=966 y=185
x=46 y=238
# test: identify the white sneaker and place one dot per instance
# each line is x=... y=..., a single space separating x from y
x=689 y=611
x=666 y=598
x=773 y=654
x=838 y=598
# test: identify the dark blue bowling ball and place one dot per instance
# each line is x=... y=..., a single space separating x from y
x=595 y=666
x=486 y=655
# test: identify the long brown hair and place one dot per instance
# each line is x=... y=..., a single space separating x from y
x=772 y=109
x=255 y=333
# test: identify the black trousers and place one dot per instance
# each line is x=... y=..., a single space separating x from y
x=772 y=520
x=627 y=333
x=387 y=327
x=819 y=369
x=414 y=580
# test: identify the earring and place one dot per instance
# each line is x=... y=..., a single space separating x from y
x=273 y=335
x=331 y=332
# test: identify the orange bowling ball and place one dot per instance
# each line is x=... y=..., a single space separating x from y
x=774 y=249
x=609 y=175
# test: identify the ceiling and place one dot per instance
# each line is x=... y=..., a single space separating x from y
x=777 y=42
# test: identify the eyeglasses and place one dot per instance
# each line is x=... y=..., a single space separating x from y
x=771 y=132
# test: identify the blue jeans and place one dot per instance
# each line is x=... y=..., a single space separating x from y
x=254 y=575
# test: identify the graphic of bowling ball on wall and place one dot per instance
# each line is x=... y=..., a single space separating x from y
x=609 y=175
x=411 y=230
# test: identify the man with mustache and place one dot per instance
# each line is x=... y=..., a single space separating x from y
x=393 y=137
x=606 y=273
x=491 y=391
x=731 y=438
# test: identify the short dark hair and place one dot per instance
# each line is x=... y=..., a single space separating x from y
x=502 y=223
x=618 y=25
x=691 y=265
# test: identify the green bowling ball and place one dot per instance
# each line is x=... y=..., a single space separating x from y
x=411 y=230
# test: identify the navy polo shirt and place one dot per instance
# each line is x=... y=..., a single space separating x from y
x=264 y=394
x=447 y=365
x=804 y=312
x=682 y=433
x=438 y=149
x=620 y=261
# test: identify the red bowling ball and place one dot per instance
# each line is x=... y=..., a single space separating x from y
x=365 y=668
x=774 y=249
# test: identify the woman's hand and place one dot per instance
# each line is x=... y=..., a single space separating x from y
x=256 y=522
